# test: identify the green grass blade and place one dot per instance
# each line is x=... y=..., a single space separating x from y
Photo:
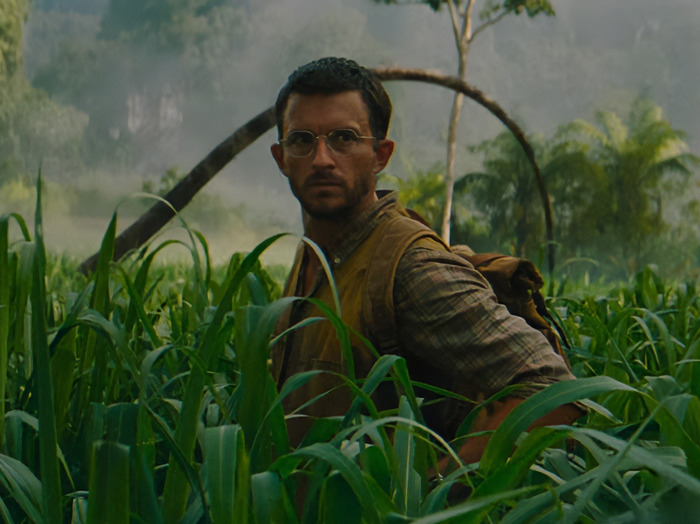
x=379 y=371
x=350 y=472
x=405 y=449
x=185 y=431
x=24 y=280
x=523 y=415
x=63 y=363
x=254 y=326
x=460 y=512
x=136 y=301
x=109 y=484
x=22 y=485
x=43 y=385
x=641 y=458
x=676 y=434
x=512 y=474
x=227 y=475
x=5 y=283
x=329 y=274
x=338 y=501
x=183 y=463
x=130 y=425
x=271 y=503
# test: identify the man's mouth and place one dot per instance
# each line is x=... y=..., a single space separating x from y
x=324 y=181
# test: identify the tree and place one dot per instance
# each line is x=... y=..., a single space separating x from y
x=12 y=15
x=462 y=21
x=613 y=179
x=507 y=193
x=610 y=182
x=33 y=129
x=168 y=25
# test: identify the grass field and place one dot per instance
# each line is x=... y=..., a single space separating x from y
x=142 y=394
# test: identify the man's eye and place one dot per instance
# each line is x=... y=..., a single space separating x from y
x=300 y=138
x=344 y=135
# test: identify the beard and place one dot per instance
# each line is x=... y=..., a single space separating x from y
x=337 y=204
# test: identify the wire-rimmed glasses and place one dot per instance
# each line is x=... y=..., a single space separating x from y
x=303 y=143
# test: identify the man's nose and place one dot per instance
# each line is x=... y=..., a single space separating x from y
x=322 y=154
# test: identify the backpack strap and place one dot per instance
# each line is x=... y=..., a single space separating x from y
x=400 y=232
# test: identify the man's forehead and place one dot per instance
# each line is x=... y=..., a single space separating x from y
x=326 y=105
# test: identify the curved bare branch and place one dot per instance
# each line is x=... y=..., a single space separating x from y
x=160 y=213
x=454 y=83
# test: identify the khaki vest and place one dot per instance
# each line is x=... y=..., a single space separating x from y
x=316 y=346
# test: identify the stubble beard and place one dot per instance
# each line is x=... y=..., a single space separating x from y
x=319 y=209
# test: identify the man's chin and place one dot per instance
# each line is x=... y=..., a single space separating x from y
x=327 y=212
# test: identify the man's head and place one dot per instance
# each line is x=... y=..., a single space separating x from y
x=332 y=138
x=335 y=75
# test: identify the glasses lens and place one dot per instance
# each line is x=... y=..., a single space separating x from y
x=300 y=143
x=342 y=140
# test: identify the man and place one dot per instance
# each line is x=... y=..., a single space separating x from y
x=332 y=117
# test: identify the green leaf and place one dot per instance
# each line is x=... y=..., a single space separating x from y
x=254 y=327
x=6 y=283
x=271 y=503
x=23 y=486
x=374 y=463
x=461 y=511
x=208 y=349
x=227 y=476
x=405 y=448
x=351 y=473
x=43 y=385
x=511 y=475
x=108 y=502
x=338 y=501
x=502 y=441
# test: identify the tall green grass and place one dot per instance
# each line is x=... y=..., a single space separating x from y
x=142 y=394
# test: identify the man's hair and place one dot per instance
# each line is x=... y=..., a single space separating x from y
x=336 y=75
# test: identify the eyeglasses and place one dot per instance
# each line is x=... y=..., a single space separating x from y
x=302 y=143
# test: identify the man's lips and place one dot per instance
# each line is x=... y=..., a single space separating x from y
x=323 y=181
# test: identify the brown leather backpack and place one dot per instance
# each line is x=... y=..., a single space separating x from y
x=517 y=283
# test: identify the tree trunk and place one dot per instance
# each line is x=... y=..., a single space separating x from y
x=450 y=165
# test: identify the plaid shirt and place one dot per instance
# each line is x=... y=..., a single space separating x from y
x=448 y=319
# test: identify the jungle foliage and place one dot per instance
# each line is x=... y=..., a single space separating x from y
x=621 y=189
x=152 y=391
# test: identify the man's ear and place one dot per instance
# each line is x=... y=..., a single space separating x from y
x=278 y=155
x=385 y=148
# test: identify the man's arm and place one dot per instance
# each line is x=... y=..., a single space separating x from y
x=490 y=418
x=448 y=318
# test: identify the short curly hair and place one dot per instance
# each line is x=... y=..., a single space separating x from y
x=332 y=75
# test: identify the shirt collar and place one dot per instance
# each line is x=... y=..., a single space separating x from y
x=359 y=228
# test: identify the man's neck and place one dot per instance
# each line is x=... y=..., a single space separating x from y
x=323 y=231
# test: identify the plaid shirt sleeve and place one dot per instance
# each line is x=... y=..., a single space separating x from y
x=448 y=318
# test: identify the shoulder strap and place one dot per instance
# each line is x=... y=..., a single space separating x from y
x=398 y=234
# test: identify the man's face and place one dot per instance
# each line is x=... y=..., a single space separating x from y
x=331 y=185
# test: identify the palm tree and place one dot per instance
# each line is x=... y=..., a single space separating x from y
x=613 y=177
x=507 y=194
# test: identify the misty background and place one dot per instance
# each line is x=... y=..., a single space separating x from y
x=138 y=105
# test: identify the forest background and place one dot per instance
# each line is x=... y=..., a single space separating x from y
x=150 y=381
x=112 y=98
